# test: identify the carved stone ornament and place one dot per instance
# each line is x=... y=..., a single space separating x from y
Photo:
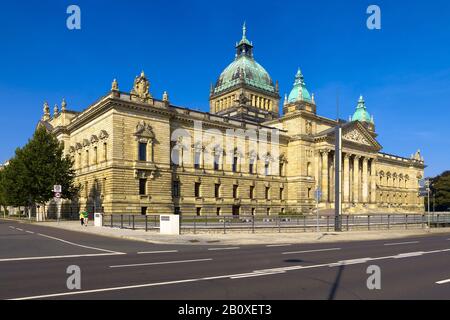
x=103 y=135
x=140 y=91
x=356 y=136
x=94 y=139
x=144 y=130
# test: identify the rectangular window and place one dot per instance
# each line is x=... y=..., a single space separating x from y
x=268 y=211
x=105 y=152
x=87 y=158
x=252 y=192
x=197 y=189
x=142 y=187
x=176 y=189
x=266 y=169
x=95 y=155
x=177 y=210
x=251 y=165
x=143 y=211
x=234 y=166
x=235 y=191
x=218 y=211
x=253 y=211
x=216 y=161
x=217 y=190
x=281 y=169
x=197 y=160
x=281 y=193
x=267 y=193
x=199 y=211
x=142 y=151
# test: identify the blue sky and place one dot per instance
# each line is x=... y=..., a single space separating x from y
x=403 y=70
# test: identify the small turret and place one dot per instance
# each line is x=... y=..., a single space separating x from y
x=46 y=109
x=55 y=111
x=63 y=105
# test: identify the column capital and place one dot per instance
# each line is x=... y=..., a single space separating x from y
x=325 y=151
x=347 y=155
x=357 y=157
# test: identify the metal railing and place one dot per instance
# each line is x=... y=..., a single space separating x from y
x=131 y=221
x=297 y=223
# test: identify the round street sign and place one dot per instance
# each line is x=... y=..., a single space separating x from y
x=57 y=195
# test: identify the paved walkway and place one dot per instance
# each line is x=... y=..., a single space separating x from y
x=242 y=238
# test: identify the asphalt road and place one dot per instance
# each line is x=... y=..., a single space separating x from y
x=34 y=260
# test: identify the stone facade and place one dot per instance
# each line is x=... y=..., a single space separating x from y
x=124 y=146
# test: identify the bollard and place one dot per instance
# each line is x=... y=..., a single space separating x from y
x=224 y=225
x=121 y=221
x=253 y=224
x=112 y=220
x=368 y=222
x=133 y=221
x=146 y=223
x=406 y=221
x=195 y=226
x=347 y=222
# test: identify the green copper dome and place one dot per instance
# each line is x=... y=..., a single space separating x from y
x=361 y=113
x=299 y=91
x=244 y=69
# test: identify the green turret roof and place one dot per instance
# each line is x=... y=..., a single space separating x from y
x=244 y=69
x=361 y=113
x=299 y=91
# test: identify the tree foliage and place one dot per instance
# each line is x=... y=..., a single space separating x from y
x=38 y=166
x=440 y=187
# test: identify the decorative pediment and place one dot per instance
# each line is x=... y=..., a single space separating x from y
x=144 y=130
x=94 y=139
x=103 y=135
x=356 y=136
x=86 y=143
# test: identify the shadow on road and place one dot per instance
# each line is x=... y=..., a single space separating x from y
x=336 y=283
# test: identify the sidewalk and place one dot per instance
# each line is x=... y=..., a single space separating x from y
x=242 y=238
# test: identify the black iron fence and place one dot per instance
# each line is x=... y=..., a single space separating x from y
x=297 y=223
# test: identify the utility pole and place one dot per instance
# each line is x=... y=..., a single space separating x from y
x=338 y=172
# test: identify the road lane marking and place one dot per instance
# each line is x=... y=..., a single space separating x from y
x=443 y=281
x=400 y=243
x=79 y=245
x=229 y=248
x=30 y=232
x=158 y=263
x=350 y=262
x=19 y=229
x=255 y=274
x=310 y=251
x=59 y=257
x=278 y=245
x=14 y=228
x=409 y=255
x=164 y=251
x=291 y=268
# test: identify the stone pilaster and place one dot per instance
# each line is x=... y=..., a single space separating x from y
x=347 y=177
x=365 y=181
x=356 y=178
x=324 y=154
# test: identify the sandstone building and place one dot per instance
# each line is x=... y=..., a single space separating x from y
x=137 y=154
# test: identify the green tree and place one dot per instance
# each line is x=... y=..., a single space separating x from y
x=440 y=187
x=36 y=168
x=3 y=202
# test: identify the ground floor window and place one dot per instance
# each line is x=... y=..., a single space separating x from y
x=199 y=211
x=143 y=211
x=218 y=211
x=176 y=210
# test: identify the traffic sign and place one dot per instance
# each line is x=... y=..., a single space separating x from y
x=57 y=188
x=57 y=195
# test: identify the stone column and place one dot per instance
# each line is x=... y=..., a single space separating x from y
x=365 y=181
x=346 y=178
x=356 y=178
x=373 y=182
x=324 y=187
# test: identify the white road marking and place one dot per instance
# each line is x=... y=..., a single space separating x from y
x=59 y=257
x=409 y=255
x=19 y=229
x=79 y=245
x=278 y=245
x=350 y=262
x=400 y=243
x=158 y=263
x=308 y=251
x=443 y=281
x=14 y=228
x=266 y=272
x=229 y=248
x=30 y=232
x=150 y=252
x=255 y=274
